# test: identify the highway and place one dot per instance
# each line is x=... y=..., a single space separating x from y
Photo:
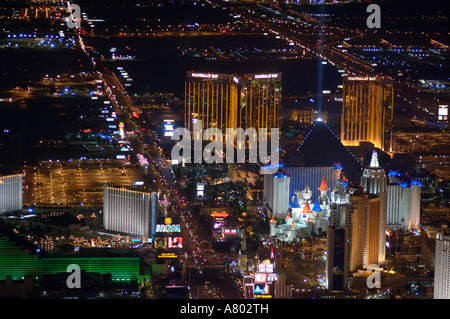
x=322 y=40
x=203 y=266
x=205 y=271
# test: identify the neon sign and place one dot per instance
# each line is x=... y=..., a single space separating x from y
x=160 y=243
x=266 y=76
x=261 y=278
x=175 y=242
x=360 y=78
x=205 y=75
x=223 y=214
x=261 y=289
x=168 y=228
x=266 y=266
x=168 y=255
x=228 y=231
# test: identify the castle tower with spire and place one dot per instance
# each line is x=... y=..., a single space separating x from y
x=324 y=200
x=300 y=217
x=306 y=213
x=306 y=193
x=318 y=217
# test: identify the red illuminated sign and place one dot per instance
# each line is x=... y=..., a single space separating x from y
x=223 y=214
x=227 y=231
x=260 y=278
x=175 y=242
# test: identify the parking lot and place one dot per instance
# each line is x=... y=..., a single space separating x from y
x=75 y=183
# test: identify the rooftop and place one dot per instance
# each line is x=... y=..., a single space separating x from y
x=321 y=147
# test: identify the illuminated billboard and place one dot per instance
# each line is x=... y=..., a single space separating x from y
x=443 y=113
x=261 y=278
x=175 y=242
x=160 y=242
x=200 y=190
x=219 y=218
x=205 y=75
x=360 y=78
x=168 y=225
x=168 y=127
x=168 y=228
x=272 y=277
x=266 y=266
x=261 y=289
x=223 y=214
x=230 y=231
x=167 y=255
x=266 y=76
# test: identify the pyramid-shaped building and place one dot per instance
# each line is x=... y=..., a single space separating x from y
x=322 y=148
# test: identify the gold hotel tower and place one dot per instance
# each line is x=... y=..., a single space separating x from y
x=230 y=101
x=367 y=112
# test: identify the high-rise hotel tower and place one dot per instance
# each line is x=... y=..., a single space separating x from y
x=353 y=235
x=374 y=183
x=367 y=112
x=213 y=99
x=442 y=267
x=232 y=101
x=130 y=212
x=261 y=101
x=11 y=193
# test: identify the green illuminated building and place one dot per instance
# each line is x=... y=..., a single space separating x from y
x=18 y=262
x=120 y=268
